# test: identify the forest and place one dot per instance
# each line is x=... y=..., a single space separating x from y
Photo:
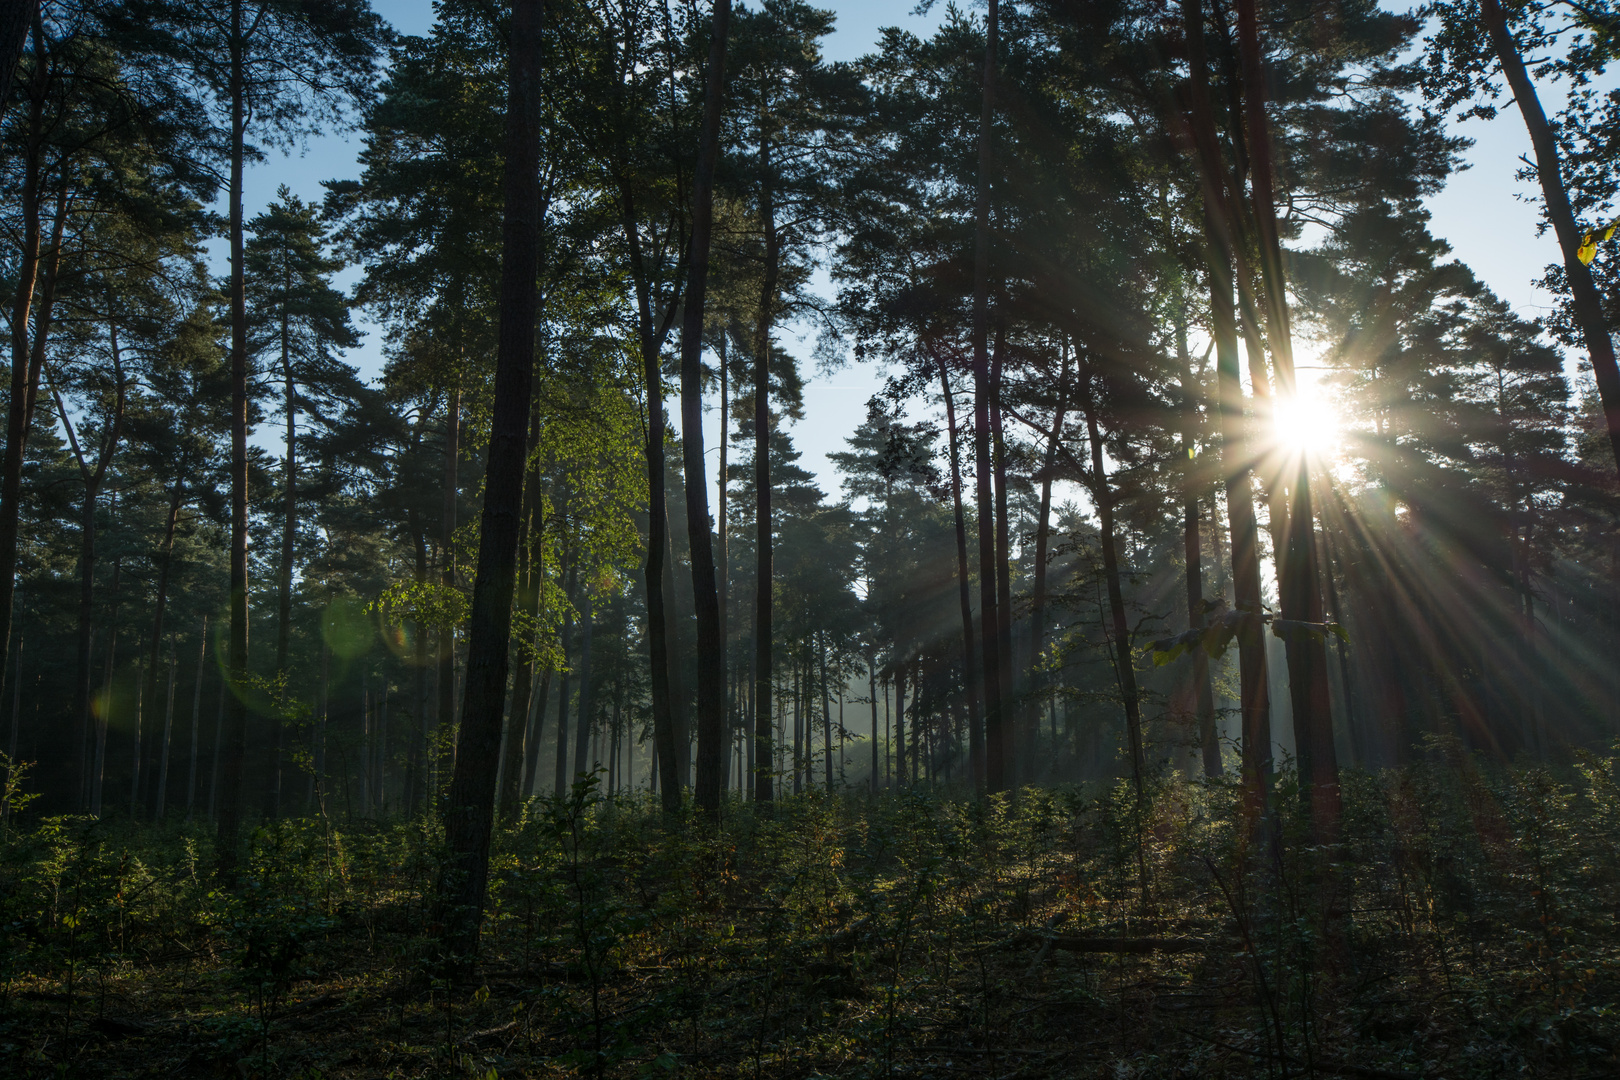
x=1192 y=665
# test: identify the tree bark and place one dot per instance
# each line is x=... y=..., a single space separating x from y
x=1299 y=583
x=196 y=715
x=165 y=562
x=162 y=800
x=1004 y=639
x=994 y=734
x=1192 y=548
x=764 y=642
x=447 y=558
x=530 y=572
x=971 y=676
x=469 y=817
x=711 y=667
x=1043 y=536
x=235 y=750
x=582 y=714
x=284 y=569
x=1235 y=462
x=1124 y=666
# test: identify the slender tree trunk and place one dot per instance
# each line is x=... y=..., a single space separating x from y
x=425 y=784
x=711 y=668
x=87 y=571
x=764 y=722
x=537 y=728
x=561 y=778
x=658 y=614
x=235 y=750
x=284 y=570
x=1192 y=548
x=16 y=719
x=100 y=758
x=529 y=576
x=1043 y=536
x=27 y=357
x=871 y=685
x=900 y=725
x=218 y=746
x=583 y=717
x=970 y=672
x=168 y=731
x=1235 y=461
x=826 y=718
x=165 y=562
x=1004 y=638
x=1300 y=581
x=135 y=750
x=469 y=816
x=996 y=778
x=447 y=560
x=196 y=714
x=1124 y=667
x=1583 y=290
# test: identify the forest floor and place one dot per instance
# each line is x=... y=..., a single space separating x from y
x=1466 y=927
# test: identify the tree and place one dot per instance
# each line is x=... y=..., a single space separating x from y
x=273 y=70
x=711 y=733
x=469 y=816
x=297 y=322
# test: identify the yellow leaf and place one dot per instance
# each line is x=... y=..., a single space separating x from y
x=1608 y=234
x=1587 y=249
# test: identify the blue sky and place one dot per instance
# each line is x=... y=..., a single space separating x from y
x=1482 y=213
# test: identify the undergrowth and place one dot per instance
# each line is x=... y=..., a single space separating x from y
x=1466 y=927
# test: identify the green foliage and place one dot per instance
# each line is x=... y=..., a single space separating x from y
x=1469 y=906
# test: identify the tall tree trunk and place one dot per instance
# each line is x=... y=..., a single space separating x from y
x=447 y=558
x=560 y=781
x=469 y=816
x=970 y=673
x=583 y=715
x=92 y=478
x=1004 y=638
x=711 y=665
x=284 y=570
x=1235 y=461
x=537 y=728
x=196 y=715
x=1192 y=549
x=871 y=685
x=162 y=800
x=723 y=557
x=899 y=725
x=165 y=561
x=27 y=357
x=826 y=718
x=83 y=679
x=1124 y=667
x=530 y=572
x=995 y=761
x=1549 y=170
x=1043 y=537
x=1299 y=584
x=424 y=777
x=659 y=616
x=764 y=722
x=235 y=750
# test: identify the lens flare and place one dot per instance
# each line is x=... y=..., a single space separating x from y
x=1305 y=424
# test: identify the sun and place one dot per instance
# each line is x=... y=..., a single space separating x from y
x=1305 y=424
